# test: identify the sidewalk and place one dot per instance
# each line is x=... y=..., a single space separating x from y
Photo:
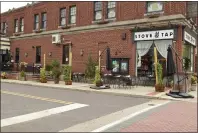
x=136 y=91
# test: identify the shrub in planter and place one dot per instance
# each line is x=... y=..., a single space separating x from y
x=4 y=75
x=48 y=68
x=160 y=87
x=23 y=65
x=22 y=76
x=193 y=83
x=90 y=69
x=67 y=74
x=98 y=82
x=56 y=71
x=43 y=78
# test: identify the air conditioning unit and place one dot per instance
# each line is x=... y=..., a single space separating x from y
x=56 y=39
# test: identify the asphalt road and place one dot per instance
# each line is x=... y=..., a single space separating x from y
x=17 y=100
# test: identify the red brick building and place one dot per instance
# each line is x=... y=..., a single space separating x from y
x=55 y=28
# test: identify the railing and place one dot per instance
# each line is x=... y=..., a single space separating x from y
x=36 y=69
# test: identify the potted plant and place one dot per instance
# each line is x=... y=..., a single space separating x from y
x=90 y=69
x=67 y=75
x=56 y=71
x=48 y=69
x=159 y=87
x=23 y=65
x=43 y=78
x=193 y=83
x=98 y=82
x=22 y=76
x=4 y=75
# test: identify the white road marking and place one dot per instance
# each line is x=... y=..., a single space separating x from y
x=127 y=118
x=40 y=114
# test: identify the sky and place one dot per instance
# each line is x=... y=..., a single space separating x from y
x=5 y=6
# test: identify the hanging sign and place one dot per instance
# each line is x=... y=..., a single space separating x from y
x=189 y=38
x=154 y=35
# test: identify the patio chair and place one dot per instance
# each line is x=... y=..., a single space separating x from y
x=75 y=77
x=81 y=77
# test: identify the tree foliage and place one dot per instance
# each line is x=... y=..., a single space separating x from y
x=90 y=68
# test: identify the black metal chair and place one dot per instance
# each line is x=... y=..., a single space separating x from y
x=75 y=77
x=81 y=77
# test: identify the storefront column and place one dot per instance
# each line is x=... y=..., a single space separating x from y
x=178 y=46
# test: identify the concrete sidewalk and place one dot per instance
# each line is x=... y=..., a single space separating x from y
x=136 y=91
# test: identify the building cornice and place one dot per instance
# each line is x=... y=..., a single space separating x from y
x=145 y=22
x=20 y=8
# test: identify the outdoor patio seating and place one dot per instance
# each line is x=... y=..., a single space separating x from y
x=75 y=77
x=78 y=77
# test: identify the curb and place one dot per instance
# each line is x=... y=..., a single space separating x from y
x=91 y=90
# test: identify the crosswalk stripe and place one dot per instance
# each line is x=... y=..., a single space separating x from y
x=40 y=114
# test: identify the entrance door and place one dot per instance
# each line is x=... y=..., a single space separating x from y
x=66 y=54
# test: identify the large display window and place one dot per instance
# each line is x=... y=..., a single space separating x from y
x=120 y=66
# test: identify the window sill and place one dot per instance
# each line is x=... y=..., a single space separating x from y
x=42 y=29
x=2 y=33
x=64 y=27
x=37 y=31
x=71 y=25
x=17 y=33
x=100 y=21
x=154 y=14
x=110 y=19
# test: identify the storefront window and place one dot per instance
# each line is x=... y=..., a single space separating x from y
x=188 y=52
x=120 y=66
x=116 y=65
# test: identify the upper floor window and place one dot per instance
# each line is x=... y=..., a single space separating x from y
x=97 y=10
x=154 y=6
x=36 y=21
x=72 y=15
x=63 y=16
x=3 y=27
x=21 y=24
x=111 y=9
x=16 y=25
x=44 y=20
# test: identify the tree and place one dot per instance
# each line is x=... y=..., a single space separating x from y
x=90 y=68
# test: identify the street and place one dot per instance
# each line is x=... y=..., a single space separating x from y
x=40 y=109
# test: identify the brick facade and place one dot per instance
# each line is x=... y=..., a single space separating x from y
x=86 y=39
x=124 y=11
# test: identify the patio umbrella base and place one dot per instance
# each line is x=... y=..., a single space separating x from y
x=185 y=95
x=175 y=94
x=101 y=87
